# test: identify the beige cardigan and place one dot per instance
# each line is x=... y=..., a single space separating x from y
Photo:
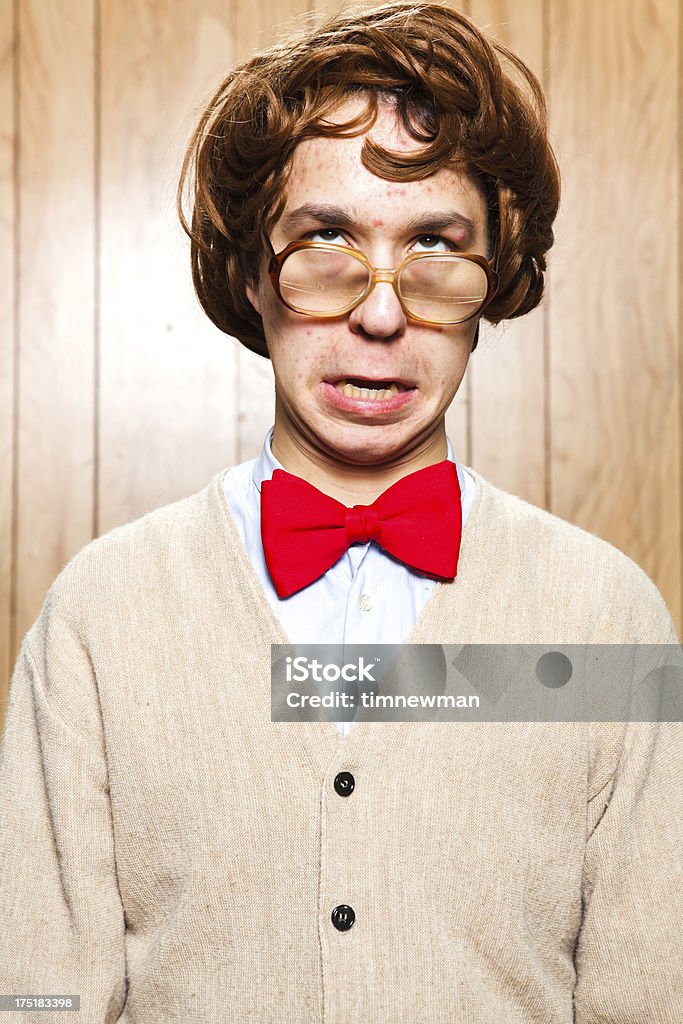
x=170 y=854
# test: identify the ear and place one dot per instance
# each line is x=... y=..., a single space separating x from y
x=253 y=296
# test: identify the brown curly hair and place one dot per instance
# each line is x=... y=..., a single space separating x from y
x=453 y=95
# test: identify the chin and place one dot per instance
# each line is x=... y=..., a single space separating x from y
x=367 y=445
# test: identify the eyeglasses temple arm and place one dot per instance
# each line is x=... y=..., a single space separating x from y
x=267 y=242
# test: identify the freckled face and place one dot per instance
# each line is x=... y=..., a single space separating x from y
x=375 y=341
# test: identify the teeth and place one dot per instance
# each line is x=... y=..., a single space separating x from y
x=373 y=394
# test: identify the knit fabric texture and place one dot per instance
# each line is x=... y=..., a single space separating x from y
x=170 y=854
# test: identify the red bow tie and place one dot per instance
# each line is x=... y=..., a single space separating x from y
x=417 y=520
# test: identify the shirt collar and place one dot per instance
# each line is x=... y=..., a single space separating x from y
x=266 y=463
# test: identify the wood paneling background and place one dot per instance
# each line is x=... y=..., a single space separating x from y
x=117 y=395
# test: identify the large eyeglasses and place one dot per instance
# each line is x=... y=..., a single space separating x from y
x=318 y=279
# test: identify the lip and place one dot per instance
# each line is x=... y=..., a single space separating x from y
x=367 y=406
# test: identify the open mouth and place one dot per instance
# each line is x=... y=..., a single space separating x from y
x=374 y=390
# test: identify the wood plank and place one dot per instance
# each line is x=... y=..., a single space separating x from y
x=616 y=389
x=167 y=382
x=56 y=301
x=678 y=272
x=8 y=225
x=507 y=369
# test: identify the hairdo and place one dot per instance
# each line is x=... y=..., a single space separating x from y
x=453 y=94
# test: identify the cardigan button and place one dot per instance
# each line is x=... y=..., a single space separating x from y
x=343 y=917
x=344 y=783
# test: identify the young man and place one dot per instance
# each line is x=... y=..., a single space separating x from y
x=168 y=852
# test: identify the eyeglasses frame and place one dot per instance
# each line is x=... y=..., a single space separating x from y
x=377 y=274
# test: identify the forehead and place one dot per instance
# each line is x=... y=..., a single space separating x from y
x=329 y=172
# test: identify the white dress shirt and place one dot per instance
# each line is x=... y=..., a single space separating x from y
x=366 y=597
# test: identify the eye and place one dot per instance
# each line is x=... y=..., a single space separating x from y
x=324 y=236
x=435 y=243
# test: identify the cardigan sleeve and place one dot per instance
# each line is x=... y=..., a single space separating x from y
x=629 y=953
x=62 y=929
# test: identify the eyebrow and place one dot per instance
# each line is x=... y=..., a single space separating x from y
x=337 y=216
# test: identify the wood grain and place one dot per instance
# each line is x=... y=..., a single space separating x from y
x=55 y=443
x=8 y=226
x=167 y=375
x=615 y=450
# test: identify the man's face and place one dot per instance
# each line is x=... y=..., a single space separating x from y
x=312 y=357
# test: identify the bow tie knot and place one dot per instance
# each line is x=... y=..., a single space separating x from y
x=362 y=524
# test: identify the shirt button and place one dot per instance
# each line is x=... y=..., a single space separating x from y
x=343 y=917
x=344 y=783
x=365 y=602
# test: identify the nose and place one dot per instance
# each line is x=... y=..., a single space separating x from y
x=379 y=315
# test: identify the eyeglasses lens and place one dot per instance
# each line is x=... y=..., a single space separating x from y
x=440 y=288
x=321 y=281
x=444 y=289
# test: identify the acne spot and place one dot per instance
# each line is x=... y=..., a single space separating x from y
x=378 y=223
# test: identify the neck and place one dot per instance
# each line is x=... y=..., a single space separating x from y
x=354 y=483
